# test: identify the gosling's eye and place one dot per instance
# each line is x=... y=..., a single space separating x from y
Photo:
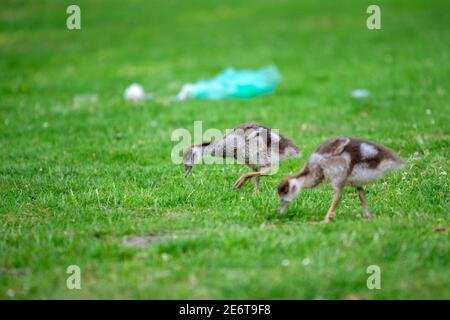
x=284 y=189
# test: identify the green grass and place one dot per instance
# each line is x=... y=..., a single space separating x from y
x=76 y=179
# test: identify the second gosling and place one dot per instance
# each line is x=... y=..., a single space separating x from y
x=342 y=161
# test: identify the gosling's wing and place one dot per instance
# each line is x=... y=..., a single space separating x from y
x=361 y=151
x=333 y=147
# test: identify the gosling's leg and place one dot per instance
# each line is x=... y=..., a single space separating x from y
x=240 y=182
x=256 y=174
x=362 y=197
x=256 y=178
x=265 y=171
x=334 y=203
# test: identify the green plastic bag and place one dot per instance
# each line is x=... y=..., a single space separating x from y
x=232 y=83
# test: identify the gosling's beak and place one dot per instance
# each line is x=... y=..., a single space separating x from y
x=187 y=170
x=283 y=207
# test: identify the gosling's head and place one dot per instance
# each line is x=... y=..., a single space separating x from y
x=288 y=189
x=192 y=155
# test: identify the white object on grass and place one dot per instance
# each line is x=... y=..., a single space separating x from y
x=360 y=93
x=134 y=92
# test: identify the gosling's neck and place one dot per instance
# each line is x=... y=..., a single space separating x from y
x=310 y=177
x=207 y=150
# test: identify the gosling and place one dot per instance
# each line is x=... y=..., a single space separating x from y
x=342 y=161
x=259 y=147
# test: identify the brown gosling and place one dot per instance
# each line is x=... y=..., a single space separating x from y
x=342 y=161
x=259 y=147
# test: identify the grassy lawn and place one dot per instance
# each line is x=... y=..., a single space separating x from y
x=80 y=178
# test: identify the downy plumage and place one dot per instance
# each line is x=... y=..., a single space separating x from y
x=259 y=147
